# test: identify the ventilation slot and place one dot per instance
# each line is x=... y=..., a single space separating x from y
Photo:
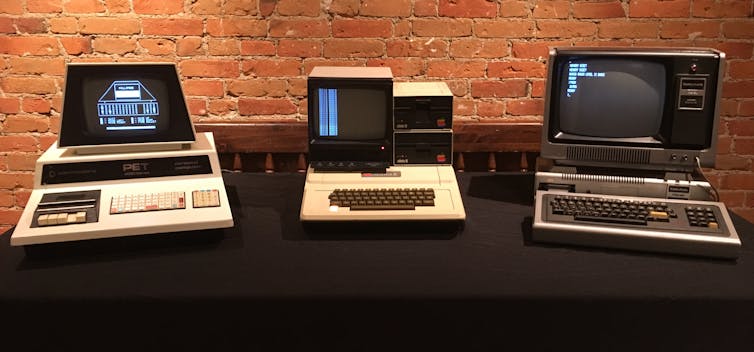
x=607 y=154
x=603 y=178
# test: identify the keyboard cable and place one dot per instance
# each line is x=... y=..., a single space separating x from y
x=711 y=190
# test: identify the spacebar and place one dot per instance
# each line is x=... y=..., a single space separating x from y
x=610 y=220
x=383 y=207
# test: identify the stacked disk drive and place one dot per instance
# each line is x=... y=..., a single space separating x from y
x=423 y=121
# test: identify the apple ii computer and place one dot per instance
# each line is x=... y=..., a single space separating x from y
x=626 y=132
x=127 y=161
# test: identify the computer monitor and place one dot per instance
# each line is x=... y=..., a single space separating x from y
x=350 y=112
x=645 y=108
x=118 y=106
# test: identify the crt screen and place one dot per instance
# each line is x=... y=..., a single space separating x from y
x=351 y=113
x=612 y=98
x=125 y=106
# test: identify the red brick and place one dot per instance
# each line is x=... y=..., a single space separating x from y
x=504 y=29
x=442 y=27
x=22 y=197
x=741 y=127
x=516 y=69
x=118 y=6
x=309 y=8
x=86 y=6
x=385 y=8
x=463 y=107
x=207 y=7
x=257 y=88
x=609 y=9
x=9 y=105
x=37 y=66
x=6 y=198
x=738 y=29
x=31 y=25
x=299 y=48
x=494 y=108
x=6 y=25
x=515 y=8
x=525 y=107
x=203 y=88
x=117 y=46
x=732 y=162
x=467 y=8
x=741 y=69
x=551 y=9
x=421 y=47
x=690 y=29
x=559 y=29
x=732 y=50
x=266 y=107
x=104 y=25
x=241 y=7
x=348 y=8
x=408 y=67
x=297 y=87
x=538 y=88
x=209 y=68
x=353 y=48
x=535 y=50
x=361 y=28
x=257 y=47
x=158 y=7
x=28 y=46
x=746 y=108
x=732 y=198
x=44 y=6
x=721 y=8
x=457 y=68
x=625 y=29
x=487 y=48
x=743 y=146
x=271 y=68
x=38 y=105
x=299 y=28
x=309 y=64
x=10 y=216
x=12 y=7
x=221 y=107
x=425 y=8
x=189 y=47
x=741 y=89
x=25 y=123
x=236 y=27
x=402 y=28
x=498 y=89
x=659 y=8
x=738 y=181
x=223 y=47
x=22 y=161
x=45 y=141
x=172 y=26
x=33 y=85
x=65 y=25
x=18 y=143
x=728 y=107
x=76 y=45
x=197 y=107
x=157 y=47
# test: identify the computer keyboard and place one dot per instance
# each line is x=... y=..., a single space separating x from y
x=350 y=166
x=383 y=198
x=652 y=224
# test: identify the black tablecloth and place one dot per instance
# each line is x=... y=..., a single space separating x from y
x=270 y=282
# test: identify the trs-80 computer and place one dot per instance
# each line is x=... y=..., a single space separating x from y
x=626 y=132
x=127 y=162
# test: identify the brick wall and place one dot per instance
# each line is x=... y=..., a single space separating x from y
x=248 y=59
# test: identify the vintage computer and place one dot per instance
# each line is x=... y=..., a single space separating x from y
x=127 y=161
x=626 y=132
x=352 y=176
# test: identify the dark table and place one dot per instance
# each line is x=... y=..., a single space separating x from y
x=270 y=283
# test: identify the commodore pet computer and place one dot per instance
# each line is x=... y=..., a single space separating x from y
x=625 y=134
x=127 y=161
x=351 y=176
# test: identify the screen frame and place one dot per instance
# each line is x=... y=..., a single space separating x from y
x=655 y=152
x=74 y=130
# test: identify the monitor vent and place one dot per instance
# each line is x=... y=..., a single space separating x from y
x=604 y=178
x=623 y=156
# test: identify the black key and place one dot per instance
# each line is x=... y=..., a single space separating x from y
x=611 y=220
x=384 y=207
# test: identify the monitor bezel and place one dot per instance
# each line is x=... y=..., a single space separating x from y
x=73 y=127
x=621 y=153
